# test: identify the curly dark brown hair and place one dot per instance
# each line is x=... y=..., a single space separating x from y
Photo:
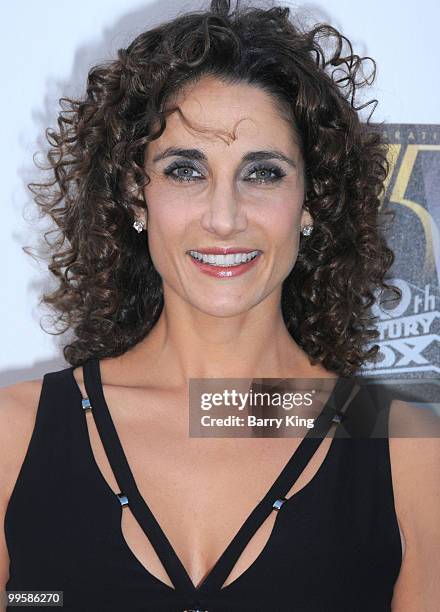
x=109 y=294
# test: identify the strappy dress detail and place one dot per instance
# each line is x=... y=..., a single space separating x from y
x=273 y=500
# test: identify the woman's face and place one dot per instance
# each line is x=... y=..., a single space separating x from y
x=246 y=194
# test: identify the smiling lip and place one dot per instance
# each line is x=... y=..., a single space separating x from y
x=226 y=271
x=223 y=250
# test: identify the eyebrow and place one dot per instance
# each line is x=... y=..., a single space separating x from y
x=198 y=155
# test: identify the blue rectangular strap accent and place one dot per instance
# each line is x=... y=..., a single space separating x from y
x=123 y=499
x=86 y=404
x=278 y=503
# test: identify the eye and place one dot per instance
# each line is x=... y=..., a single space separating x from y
x=265 y=174
x=182 y=177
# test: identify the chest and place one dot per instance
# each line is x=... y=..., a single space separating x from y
x=200 y=491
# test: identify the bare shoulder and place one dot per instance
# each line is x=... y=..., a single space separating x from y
x=415 y=454
x=18 y=409
x=415 y=463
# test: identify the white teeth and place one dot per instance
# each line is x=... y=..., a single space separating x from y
x=233 y=259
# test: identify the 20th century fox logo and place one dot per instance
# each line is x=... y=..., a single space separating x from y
x=410 y=332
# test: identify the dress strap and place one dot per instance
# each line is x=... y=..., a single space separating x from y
x=275 y=496
x=124 y=477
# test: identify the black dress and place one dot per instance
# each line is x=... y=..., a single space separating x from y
x=335 y=545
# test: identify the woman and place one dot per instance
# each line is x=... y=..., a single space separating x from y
x=218 y=132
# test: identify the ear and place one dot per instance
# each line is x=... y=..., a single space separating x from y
x=142 y=216
x=306 y=218
x=141 y=213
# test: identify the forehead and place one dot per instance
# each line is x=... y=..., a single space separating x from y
x=222 y=114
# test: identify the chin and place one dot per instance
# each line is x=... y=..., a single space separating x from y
x=221 y=310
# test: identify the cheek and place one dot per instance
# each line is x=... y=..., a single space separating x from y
x=165 y=232
x=283 y=234
x=283 y=223
x=167 y=210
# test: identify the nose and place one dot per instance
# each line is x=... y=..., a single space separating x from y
x=224 y=214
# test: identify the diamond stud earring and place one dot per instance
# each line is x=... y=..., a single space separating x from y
x=139 y=225
x=307 y=229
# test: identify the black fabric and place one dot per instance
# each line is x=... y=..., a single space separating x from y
x=335 y=544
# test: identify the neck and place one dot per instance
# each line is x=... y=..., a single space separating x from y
x=249 y=345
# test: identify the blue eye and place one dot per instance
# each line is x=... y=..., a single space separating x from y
x=266 y=170
x=181 y=166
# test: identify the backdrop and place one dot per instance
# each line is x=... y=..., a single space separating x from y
x=47 y=48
